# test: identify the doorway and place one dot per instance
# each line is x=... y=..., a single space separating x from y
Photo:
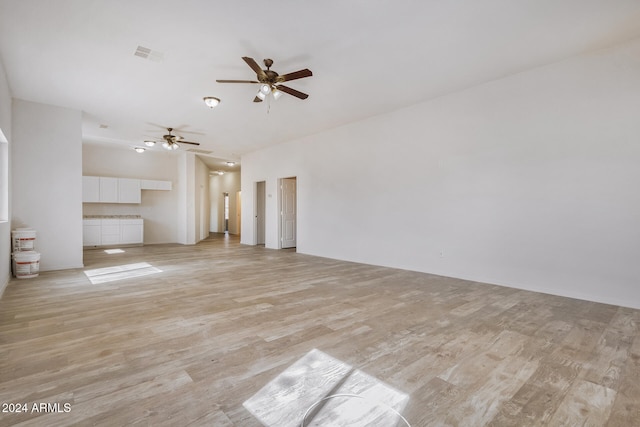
x=259 y=222
x=226 y=212
x=288 y=213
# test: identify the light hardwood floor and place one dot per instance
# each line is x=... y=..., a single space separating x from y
x=190 y=343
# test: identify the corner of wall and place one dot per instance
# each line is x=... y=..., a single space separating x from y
x=3 y=286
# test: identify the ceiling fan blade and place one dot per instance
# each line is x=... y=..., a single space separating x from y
x=256 y=99
x=237 y=81
x=293 y=92
x=188 y=142
x=255 y=67
x=295 y=75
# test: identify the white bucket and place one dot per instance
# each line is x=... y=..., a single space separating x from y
x=26 y=264
x=24 y=239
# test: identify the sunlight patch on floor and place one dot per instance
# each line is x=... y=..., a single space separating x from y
x=319 y=390
x=119 y=272
x=114 y=251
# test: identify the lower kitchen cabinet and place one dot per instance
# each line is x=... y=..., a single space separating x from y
x=131 y=231
x=91 y=232
x=112 y=231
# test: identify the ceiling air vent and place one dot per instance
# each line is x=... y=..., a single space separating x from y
x=146 y=53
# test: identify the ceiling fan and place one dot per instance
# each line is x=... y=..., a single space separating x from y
x=270 y=81
x=171 y=141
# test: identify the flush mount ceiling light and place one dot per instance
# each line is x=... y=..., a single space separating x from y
x=211 y=101
x=149 y=143
x=220 y=172
x=139 y=150
x=231 y=163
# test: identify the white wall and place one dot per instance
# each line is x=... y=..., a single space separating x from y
x=530 y=181
x=202 y=203
x=46 y=180
x=5 y=225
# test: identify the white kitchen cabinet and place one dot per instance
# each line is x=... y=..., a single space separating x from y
x=91 y=232
x=102 y=189
x=131 y=231
x=129 y=190
x=108 y=190
x=90 y=189
x=112 y=231
x=151 y=184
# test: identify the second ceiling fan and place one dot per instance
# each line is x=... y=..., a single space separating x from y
x=270 y=81
x=170 y=141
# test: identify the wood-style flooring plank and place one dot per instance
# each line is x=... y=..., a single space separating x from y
x=216 y=322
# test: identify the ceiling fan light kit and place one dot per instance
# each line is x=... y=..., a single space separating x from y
x=170 y=145
x=271 y=82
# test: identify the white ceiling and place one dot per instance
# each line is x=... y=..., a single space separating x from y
x=367 y=57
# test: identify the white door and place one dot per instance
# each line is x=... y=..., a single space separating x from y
x=260 y=213
x=288 y=213
x=239 y=213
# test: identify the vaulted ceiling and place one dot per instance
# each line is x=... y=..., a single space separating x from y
x=368 y=57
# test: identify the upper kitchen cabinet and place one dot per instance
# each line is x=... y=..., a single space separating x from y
x=150 y=184
x=101 y=189
x=109 y=190
x=129 y=190
x=91 y=189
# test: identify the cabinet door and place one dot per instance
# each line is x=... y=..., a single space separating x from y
x=110 y=234
x=90 y=189
x=91 y=233
x=108 y=190
x=131 y=231
x=129 y=190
